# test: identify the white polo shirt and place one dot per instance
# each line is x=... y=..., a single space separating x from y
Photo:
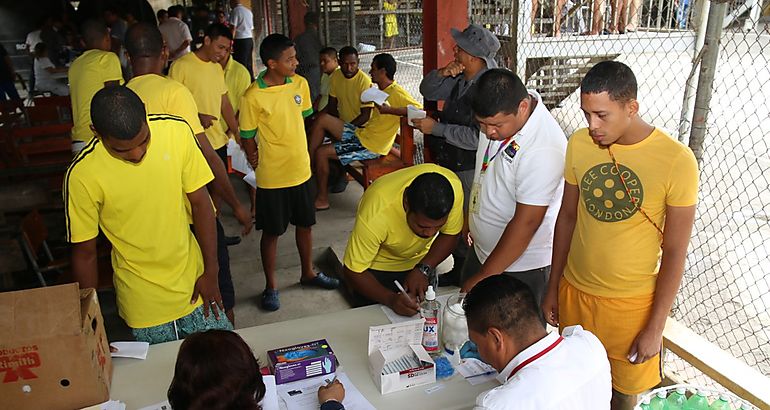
x=558 y=372
x=175 y=32
x=528 y=169
x=243 y=21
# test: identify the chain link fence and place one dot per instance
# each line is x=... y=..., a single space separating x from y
x=725 y=294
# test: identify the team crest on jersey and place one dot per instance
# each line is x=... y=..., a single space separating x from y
x=298 y=99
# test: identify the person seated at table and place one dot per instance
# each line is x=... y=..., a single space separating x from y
x=165 y=277
x=47 y=74
x=538 y=370
x=407 y=222
x=357 y=144
x=216 y=369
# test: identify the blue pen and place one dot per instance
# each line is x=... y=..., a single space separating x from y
x=482 y=374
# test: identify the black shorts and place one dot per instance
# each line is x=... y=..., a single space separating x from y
x=276 y=208
x=222 y=152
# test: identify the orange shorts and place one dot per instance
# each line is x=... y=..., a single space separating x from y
x=616 y=322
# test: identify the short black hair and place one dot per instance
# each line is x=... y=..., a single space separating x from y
x=346 y=51
x=144 y=40
x=273 y=46
x=612 y=77
x=430 y=194
x=498 y=91
x=175 y=11
x=387 y=62
x=130 y=117
x=93 y=32
x=311 y=18
x=328 y=51
x=502 y=302
x=161 y=13
x=216 y=30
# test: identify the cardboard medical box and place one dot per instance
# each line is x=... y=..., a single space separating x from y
x=387 y=343
x=302 y=361
x=53 y=349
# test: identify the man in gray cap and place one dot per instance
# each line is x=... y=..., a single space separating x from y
x=455 y=136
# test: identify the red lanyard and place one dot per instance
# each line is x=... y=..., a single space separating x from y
x=486 y=161
x=535 y=357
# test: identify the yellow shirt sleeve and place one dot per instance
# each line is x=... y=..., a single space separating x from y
x=82 y=210
x=187 y=109
x=363 y=246
x=307 y=102
x=334 y=84
x=249 y=117
x=569 y=168
x=683 y=180
x=196 y=172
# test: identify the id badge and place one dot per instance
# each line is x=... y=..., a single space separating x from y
x=473 y=207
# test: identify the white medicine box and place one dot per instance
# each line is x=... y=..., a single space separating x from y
x=397 y=360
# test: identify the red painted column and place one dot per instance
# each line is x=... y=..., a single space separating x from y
x=297 y=12
x=438 y=16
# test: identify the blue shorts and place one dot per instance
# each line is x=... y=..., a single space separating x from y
x=182 y=327
x=349 y=148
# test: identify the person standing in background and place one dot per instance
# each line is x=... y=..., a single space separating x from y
x=242 y=25
x=176 y=34
x=391 y=22
x=308 y=47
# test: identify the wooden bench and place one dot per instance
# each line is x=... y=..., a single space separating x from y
x=367 y=171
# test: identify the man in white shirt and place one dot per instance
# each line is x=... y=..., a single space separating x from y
x=517 y=184
x=538 y=370
x=242 y=23
x=176 y=33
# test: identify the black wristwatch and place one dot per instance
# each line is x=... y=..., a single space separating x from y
x=425 y=269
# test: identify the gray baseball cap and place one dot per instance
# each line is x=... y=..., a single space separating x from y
x=478 y=42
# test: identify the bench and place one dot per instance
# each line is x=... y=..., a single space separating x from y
x=367 y=171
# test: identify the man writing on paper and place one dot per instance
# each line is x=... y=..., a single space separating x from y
x=407 y=223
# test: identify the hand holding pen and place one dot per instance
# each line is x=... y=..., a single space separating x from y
x=401 y=303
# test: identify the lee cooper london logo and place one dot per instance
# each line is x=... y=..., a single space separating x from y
x=605 y=196
x=298 y=99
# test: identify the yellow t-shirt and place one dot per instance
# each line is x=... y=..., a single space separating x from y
x=381 y=238
x=206 y=82
x=276 y=117
x=348 y=93
x=238 y=80
x=326 y=83
x=163 y=95
x=87 y=76
x=381 y=130
x=139 y=207
x=615 y=250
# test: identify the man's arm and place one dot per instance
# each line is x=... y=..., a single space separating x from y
x=461 y=136
x=362 y=118
x=367 y=285
x=388 y=110
x=207 y=286
x=513 y=242
x=676 y=238
x=221 y=185
x=562 y=238
x=435 y=86
x=416 y=282
x=228 y=114
x=84 y=266
x=181 y=48
x=331 y=107
x=250 y=146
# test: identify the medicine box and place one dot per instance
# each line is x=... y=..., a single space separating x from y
x=302 y=361
x=389 y=345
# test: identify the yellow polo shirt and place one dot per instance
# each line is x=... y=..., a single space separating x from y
x=139 y=207
x=163 y=95
x=238 y=80
x=206 y=82
x=276 y=117
x=381 y=238
x=381 y=129
x=87 y=76
x=615 y=251
x=348 y=93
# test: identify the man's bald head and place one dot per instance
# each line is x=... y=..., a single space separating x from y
x=144 y=40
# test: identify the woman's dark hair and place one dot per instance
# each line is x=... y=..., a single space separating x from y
x=216 y=370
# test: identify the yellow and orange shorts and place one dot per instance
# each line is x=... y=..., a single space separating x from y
x=616 y=322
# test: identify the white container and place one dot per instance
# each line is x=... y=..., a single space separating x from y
x=454 y=330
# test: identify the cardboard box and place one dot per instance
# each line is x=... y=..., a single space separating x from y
x=302 y=361
x=388 y=343
x=53 y=349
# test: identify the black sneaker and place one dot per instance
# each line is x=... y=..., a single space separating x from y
x=340 y=186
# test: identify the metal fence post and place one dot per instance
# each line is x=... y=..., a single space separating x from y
x=702 y=8
x=352 y=19
x=706 y=78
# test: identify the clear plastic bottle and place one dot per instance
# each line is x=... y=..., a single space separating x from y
x=658 y=402
x=697 y=401
x=722 y=403
x=430 y=309
x=677 y=399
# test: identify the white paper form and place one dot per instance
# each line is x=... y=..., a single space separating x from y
x=396 y=318
x=414 y=113
x=374 y=95
x=238 y=158
x=475 y=371
x=388 y=337
x=132 y=350
x=303 y=394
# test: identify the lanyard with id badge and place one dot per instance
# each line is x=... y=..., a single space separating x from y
x=509 y=144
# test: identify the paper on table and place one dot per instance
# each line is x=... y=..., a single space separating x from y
x=396 y=318
x=133 y=350
x=414 y=113
x=303 y=394
x=238 y=158
x=251 y=179
x=107 y=405
x=476 y=371
x=270 y=401
x=374 y=95
x=397 y=335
